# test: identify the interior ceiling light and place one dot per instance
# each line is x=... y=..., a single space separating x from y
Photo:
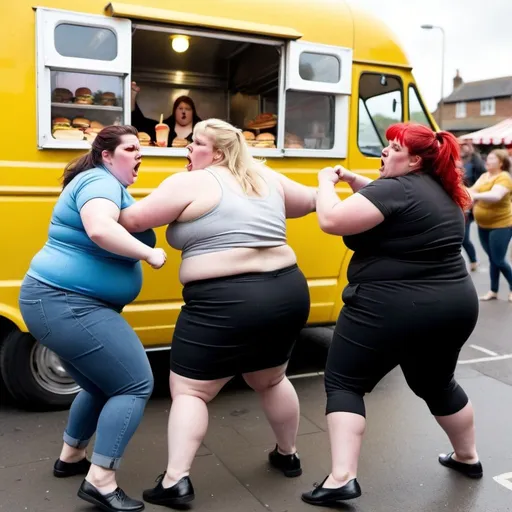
x=179 y=43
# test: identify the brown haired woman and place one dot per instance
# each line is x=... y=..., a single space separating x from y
x=181 y=122
x=492 y=194
x=410 y=301
x=71 y=300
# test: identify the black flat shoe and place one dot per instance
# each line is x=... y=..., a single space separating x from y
x=324 y=497
x=288 y=464
x=116 y=501
x=470 y=470
x=64 y=469
x=181 y=493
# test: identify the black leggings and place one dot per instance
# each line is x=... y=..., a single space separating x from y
x=419 y=327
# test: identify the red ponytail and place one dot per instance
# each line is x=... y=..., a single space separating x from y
x=439 y=153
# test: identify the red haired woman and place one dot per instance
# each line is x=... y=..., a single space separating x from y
x=409 y=302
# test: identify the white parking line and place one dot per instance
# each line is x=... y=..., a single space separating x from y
x=504 y=479
x=484 y=350
x=485 y=359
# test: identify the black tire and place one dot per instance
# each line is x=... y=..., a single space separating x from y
x=33 y=376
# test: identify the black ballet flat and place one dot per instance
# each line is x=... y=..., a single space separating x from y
x=63 y=469
x=181 y=493
x=325 y=497
x=470 y=470
x=116 y=501
x=288 y=464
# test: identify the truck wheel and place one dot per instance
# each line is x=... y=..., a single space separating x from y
x=34 y=375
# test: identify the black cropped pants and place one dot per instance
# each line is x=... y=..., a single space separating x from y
x=421 y=327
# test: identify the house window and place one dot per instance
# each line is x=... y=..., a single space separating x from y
x=460 y=110
x=488 y=107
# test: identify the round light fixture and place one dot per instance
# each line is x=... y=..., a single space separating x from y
x=179 y=43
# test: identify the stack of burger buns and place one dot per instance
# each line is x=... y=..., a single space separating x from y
x=180 y=143
x=249 y=137
x=79 y=128
x=63 y=130
x=292 y=141
x=83 y=96
x=144 y=139
x=262 y=122
x=61 y=95
x=94 y=128
x=265 y=140
x=108 y=98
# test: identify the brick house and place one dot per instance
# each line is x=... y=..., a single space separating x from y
x=475 y=105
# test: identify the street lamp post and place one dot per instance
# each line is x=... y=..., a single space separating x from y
x=431 y=27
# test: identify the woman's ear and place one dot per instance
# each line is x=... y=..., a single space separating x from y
x=106 y=156
x=415 y=162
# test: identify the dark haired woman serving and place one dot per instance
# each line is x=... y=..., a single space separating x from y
x=71 y=300
x=409 y=302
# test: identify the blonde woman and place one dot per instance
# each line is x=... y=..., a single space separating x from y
x=245 y=298
x=492 y=194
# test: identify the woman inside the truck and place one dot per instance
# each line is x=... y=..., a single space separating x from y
x=180 y=123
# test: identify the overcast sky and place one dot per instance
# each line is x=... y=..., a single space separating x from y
x=478 y=39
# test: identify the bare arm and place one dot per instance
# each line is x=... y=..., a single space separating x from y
x=299 y=200
x=349 y=217
x=163 y=206
x=355 y=181
x=100 y=220
x=497 y=193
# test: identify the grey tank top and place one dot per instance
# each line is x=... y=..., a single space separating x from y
x=237 y=221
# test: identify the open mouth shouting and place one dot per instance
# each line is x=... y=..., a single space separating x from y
x=188 y=165
x=136 y=169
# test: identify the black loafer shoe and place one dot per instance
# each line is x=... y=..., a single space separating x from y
x=470 y=470
x=181 y=493
x=288 y=464
x=64 y=469
x=322 y=497
x=116 y=501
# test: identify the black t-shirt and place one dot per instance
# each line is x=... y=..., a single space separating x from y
x=420 y=238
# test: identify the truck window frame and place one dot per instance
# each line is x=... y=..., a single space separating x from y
x=402 y=97
x=288 y=76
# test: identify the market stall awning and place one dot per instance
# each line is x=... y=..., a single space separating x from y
x=497 y=134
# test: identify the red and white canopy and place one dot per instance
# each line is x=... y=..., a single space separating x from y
x=500 y=133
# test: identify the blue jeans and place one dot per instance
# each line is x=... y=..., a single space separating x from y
x=467 y=244
x=102 y=353
x=495 y=243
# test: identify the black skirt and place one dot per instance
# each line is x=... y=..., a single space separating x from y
x=239 y=324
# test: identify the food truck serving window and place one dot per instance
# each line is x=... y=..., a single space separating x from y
x=290 y=98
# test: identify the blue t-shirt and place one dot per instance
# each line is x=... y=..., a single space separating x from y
x=70 y=260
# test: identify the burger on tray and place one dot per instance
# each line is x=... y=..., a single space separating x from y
x=83 y=96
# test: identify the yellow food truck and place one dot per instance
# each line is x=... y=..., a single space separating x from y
x=316 y=83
